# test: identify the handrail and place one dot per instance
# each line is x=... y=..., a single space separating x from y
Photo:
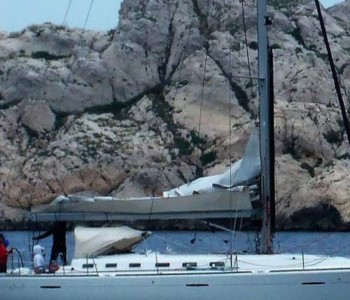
x=87 y=265
x=61 y=255
x=20 y=263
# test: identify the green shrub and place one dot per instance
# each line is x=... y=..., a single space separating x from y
x=253 y=45
x=208 y=157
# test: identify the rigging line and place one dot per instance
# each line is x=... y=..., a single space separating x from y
x=44 y=75
x=309 y=243
x=176 y=91
x=154 y=190
x=64 y=91
x=75 y=56
x=234 y=216
x=66 y=13
x=74 y=59
x=249 y=242
x=250 y=77
x=48 y=64
x=202 y=92
x=341 y=249
x=204 y=71
x=334 y=71
x=182 y=58
x=63 y=22
x=247 y=54
x=181 y=64
x=173 y=242
x=246 y=41
x=88 y=14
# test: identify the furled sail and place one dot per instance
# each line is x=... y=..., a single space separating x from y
x=241 y=173
x=91 y=241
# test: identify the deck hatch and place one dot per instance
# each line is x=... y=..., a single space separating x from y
x=313 y=283
x=189 y=264
x=216 y=264
x=197 y=284
x=163 y=265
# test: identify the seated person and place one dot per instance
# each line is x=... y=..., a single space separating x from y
x=3 y=253
x=39 y=262
x=58 y=232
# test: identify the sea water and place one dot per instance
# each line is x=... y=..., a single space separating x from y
x=323 y=243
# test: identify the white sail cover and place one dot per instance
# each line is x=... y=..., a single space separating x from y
x=207 y=197
x=220 y=203
x=243 y=172
x=90 y=241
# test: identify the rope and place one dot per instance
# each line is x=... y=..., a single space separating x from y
x=336 y=81
x=247 y=52
x=88 y=14
x=66 y=13
x=44 y=74
x=309 y=243
x=202 y=94
x=341 y=248
x=203 y=80
x=76 y=56
x=181 y=64
x=232 y=217
x=246 y=41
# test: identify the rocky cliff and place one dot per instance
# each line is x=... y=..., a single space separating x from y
x=166 y=97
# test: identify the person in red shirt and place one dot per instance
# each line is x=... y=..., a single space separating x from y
x=3 y=254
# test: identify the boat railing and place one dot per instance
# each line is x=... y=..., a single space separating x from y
x=88 y=264
x=61 y=255
x=15 y=253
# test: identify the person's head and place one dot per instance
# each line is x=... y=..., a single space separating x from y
x=3 y=240
x=37 y=249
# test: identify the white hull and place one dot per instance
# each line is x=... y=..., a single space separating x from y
x=316 y=285
x=321 y=279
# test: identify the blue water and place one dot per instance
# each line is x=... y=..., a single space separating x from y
x=203 y=242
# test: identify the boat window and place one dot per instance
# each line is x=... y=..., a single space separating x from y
x=111 y=265
x=134 y=265
x=217 y=264
x=162 y=265
x=189 y=264
x=87 y=266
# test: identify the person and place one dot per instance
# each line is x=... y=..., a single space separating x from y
x=58 y=232
x=39 y=262
x=3 y=253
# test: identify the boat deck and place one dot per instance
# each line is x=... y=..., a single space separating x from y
x=155 y=263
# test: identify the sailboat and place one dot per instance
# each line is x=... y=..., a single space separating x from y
x=95 y=275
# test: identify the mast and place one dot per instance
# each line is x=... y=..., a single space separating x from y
x=267 y=189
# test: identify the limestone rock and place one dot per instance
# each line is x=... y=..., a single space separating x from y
x=60 y=66
x=38 y=117
x=171 y=94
